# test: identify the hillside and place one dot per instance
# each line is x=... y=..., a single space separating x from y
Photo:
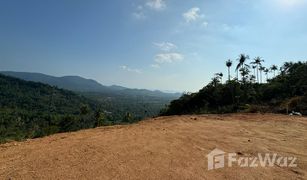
x=163 y=148
x=283 y=93
x=74 y=83
x=30 y=109
x=77 y=83
x=116 y=100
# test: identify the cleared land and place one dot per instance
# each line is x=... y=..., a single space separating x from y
x=162 y=148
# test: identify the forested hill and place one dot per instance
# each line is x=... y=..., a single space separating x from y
x=80 y=84
x=30 y=109
x=284 y=92
x=117 y=101
x=73 y=83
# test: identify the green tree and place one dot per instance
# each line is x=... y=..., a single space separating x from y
x=100 y=118
x=261 y=69
x=128 y=118
x=258 y=62
x=266 y=71
x=244 y=73
x=219 y=76
x=242 y=62
x=229 y=64
x=84 y=109
x=274 y=68
x=254 y=69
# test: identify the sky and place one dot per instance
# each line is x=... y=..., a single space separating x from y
x=154 y=44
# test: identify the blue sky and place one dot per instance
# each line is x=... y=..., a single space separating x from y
x=154 y=44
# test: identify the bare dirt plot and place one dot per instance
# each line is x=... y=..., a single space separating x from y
x=162 y=148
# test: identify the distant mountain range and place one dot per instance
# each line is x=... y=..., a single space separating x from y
x=80 y=84
x=35 y=104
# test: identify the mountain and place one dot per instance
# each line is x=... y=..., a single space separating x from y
x=74 y=83
x=80 y=84
x=31 y=109
x=115 y=100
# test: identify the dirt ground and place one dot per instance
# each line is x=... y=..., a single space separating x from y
x=161 y=148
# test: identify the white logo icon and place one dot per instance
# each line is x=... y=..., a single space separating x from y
x=216 y=159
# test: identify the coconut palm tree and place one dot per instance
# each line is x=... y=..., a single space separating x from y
x=254 y=68
x=258 y=62
x=266 y=71
x=261 y=69
x=219 y=76
x=228 y=64
x=242 y=62
x=274 y=68
x=252 y=78
x=216 y=79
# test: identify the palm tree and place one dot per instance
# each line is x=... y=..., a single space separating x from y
x=254 y=68
x=257 y=61
x=215 y=80
x=266 y=71
x=261 y=68
x=274 y=68
x=244 y=73
x=219 y=76
x=242 y=62
x=252 y=78
x=228 y=64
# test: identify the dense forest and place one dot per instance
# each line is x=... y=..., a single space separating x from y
x=115 y=101
x=254 y=88
x=140 y=106
x=31 y=109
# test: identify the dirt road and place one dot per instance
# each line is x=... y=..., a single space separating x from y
x=162 y=148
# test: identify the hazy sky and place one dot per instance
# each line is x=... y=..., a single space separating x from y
x=154 y=44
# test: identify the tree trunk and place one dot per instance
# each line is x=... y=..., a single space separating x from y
x=257 y=74
x=228 y=73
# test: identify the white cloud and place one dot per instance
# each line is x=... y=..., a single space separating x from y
x=139 y=15
x=168 y=58
x=126 y=68
x=192 y=15
x=156 y=66
x=205 y=24
x=166 y=46
x=226 y=27
x=140 y=12
x=156 y=4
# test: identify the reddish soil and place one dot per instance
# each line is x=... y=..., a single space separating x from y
x=162 y=148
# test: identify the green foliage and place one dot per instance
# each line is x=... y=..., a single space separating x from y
x=116 y=106
x=30 y=110
x=128 y=118
x=246 y=95
x=115 y=101
x=100 y=118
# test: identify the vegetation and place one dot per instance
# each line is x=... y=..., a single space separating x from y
x=30 y=110
x=284 y=92
x=116 y=106
x=114 y=101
